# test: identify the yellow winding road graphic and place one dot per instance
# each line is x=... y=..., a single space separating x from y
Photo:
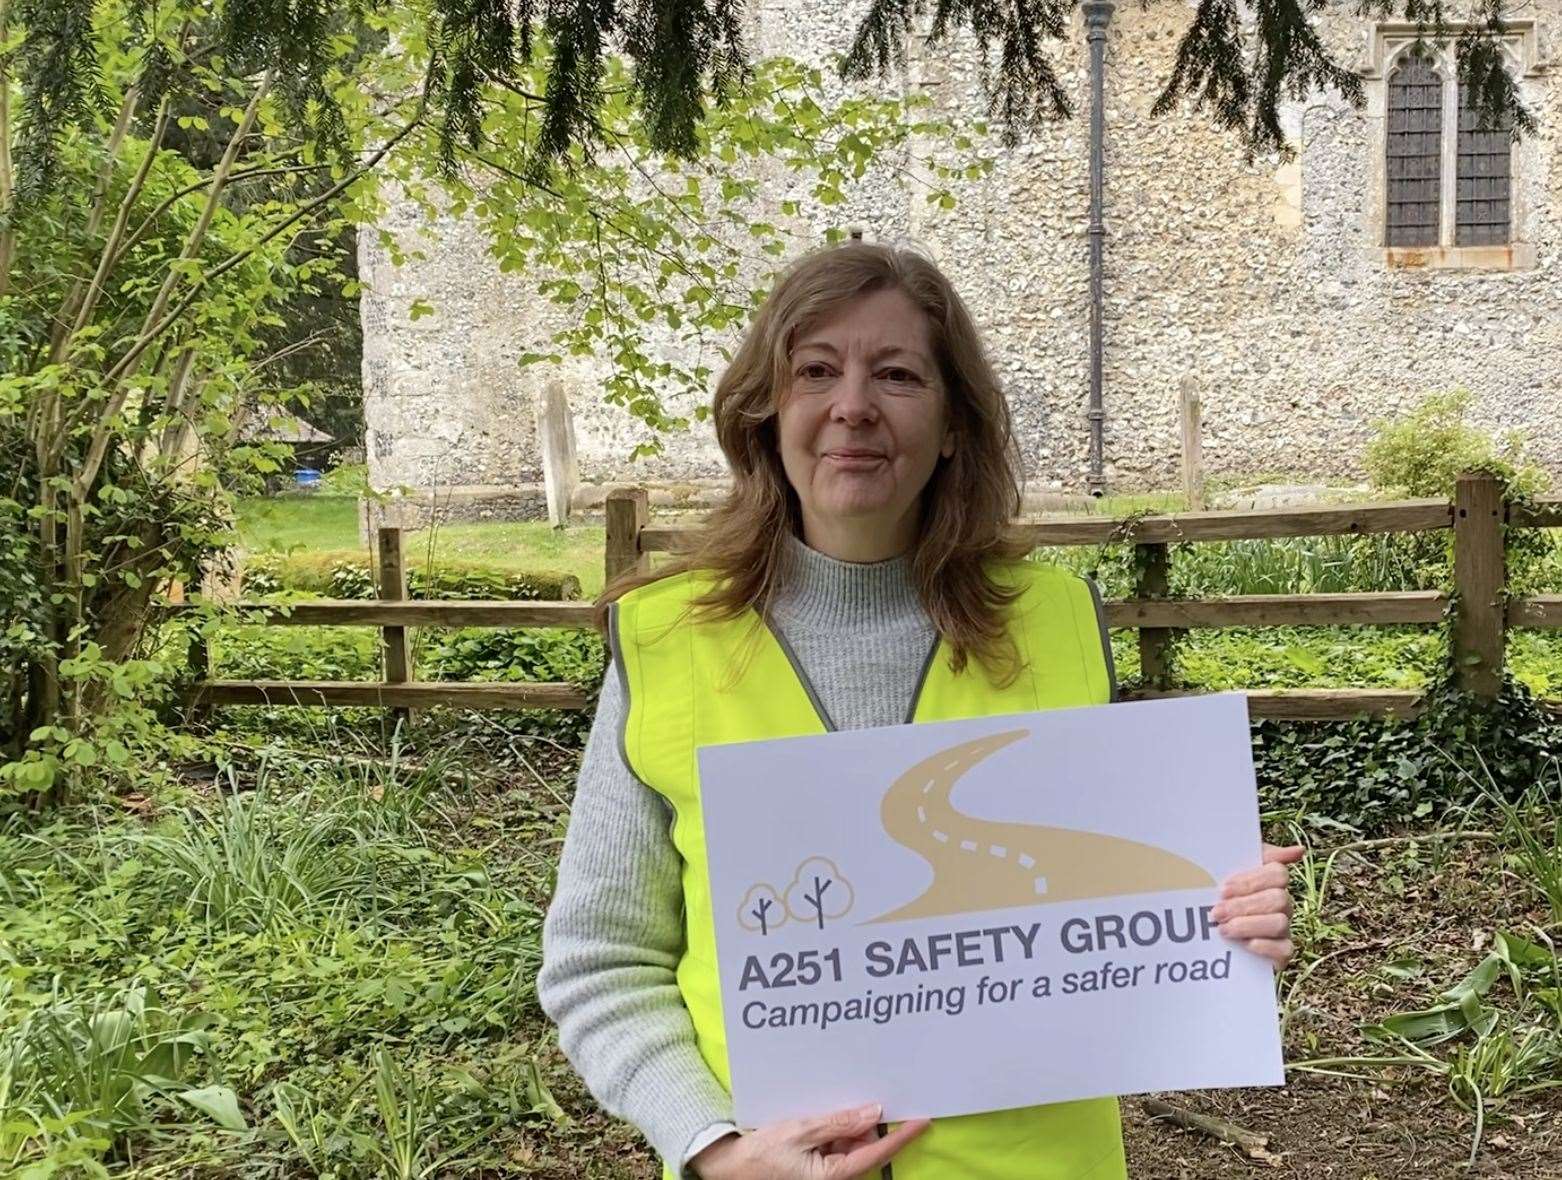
x=985 y=865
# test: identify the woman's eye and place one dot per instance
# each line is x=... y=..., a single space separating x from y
x=902 y=377
x=813 y=371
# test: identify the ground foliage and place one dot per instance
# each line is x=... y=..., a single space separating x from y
x=320 y=957
x=294 y=964
x=1373 y=775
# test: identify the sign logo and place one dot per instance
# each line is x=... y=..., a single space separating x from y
x=978 y=864
x=983 y=864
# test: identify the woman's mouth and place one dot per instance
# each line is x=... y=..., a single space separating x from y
x=854 y=458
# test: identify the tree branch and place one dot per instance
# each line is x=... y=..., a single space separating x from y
x=7 y=178
x=103 y=430
x=150 y=334
x=127 y=108
x=87 y=301
x=168 y=202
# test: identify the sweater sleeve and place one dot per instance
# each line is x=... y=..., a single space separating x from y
x=611 y=943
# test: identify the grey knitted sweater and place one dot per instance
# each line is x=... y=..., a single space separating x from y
x=614 y=931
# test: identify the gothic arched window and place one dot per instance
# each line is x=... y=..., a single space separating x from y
x=1446 y=193
x=1415 y=154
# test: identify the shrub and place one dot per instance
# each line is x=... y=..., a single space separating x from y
x=513 y=654
x=1423 y=453
x=341 y=574
x=467 y=654
x=345 y=479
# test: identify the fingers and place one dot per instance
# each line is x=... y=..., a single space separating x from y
x=874 y=1156
x=1265 y=901
x=1288 y=855
x=846 y=1146
x=1270 y=876
x=839 y=1124
x=1257 y=926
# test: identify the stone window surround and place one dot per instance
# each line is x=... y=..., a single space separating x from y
x=1389 y=41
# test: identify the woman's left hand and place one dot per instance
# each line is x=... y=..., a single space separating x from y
x=1254 y=910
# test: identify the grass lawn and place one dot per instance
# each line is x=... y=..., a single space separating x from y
x=327 y=526
x=280 y=524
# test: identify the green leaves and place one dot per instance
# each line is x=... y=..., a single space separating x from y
x=634 y=237
x=1461 y=1011
x=426 y=955
x=1459 y=753
x=219 y=1103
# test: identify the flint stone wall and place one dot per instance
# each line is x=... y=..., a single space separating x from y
x=1262 y=279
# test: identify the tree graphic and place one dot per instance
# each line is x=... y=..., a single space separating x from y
x=762 y=909
x=818 y=891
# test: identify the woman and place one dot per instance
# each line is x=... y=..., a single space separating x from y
x=860 y=573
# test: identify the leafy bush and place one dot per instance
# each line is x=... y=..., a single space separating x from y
x=345 y=479
x=352 y=580
x=468 y=654
x=1316 y=657
x=296 y=653
x=475 y=582
x=516 y=653
x=350 y=575
x=1423 y=453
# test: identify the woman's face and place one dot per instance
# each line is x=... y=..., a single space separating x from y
x=862 y=425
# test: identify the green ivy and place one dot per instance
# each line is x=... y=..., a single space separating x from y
x=1373 y=774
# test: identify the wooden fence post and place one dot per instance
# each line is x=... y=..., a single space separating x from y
x=1192 y=414
x=393 y=588
x=1480 y=578
x=628 y=510
x=1154 y=642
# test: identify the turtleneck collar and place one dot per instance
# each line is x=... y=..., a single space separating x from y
x=815 y=590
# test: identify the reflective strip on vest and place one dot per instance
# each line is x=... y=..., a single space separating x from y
x=693 y=682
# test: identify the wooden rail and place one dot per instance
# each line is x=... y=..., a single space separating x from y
x=1404 y=516
x=393 y=615
x=411 y=695
x=379 y=613
x=1476 y=516
x=1545 y=513
x=1544 y=610
x=1280 y=610
x=1313 y=704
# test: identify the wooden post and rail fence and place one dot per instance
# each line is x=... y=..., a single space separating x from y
x=1483 y=611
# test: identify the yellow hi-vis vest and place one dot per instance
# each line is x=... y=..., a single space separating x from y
x=691 y=682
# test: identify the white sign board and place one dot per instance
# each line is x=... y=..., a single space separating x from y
x=975 y=915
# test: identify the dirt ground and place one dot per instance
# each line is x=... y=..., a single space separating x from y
x=1436 y=904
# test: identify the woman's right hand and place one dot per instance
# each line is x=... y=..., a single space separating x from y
x=839 y=1146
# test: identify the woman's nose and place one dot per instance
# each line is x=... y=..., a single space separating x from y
x=854 y=402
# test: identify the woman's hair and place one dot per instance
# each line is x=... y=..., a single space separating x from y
x=967 y=506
